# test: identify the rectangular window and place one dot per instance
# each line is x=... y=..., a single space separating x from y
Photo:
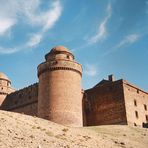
x=145 y=107
x=135 y=102
x=137 y=91
x=136 y=114
x=146 y=117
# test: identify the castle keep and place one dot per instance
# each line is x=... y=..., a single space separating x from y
x=58 y=96
x=59 y=93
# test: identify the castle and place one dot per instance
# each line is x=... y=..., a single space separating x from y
x=59 y=97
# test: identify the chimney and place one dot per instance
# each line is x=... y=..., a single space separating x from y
x=111 y=78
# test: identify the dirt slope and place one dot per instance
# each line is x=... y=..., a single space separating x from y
x=21 y=131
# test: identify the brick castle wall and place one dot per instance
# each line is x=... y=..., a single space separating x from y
x=111 y=103
x=104 y=104
x=58 y=96
x=136 y=103
x=22 y=101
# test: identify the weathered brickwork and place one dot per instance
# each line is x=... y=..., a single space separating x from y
x=5 y=87
x=23 y=101
x=115 y=102
x=28 y=109
x=59 y=97
x=136 y=103
x=104 y=104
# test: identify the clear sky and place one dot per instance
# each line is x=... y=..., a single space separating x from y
x=106 y=37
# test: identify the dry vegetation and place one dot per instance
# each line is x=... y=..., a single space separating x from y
x=21 y=131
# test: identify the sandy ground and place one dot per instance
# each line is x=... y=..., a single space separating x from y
x=21 y=131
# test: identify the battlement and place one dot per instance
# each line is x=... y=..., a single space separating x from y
x=21 y=98
x=60 y=65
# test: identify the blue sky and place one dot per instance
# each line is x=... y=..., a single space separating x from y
x=106 y=37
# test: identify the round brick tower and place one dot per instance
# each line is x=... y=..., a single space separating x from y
x=5 y=87
x=60 y=98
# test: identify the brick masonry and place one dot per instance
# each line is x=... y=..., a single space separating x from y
x=104 y=104
x=115 y=102
x=136 y=104
x=58 y=96
x=22 y=101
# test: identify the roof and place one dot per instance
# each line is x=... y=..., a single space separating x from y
x=3 y=76
x=102 y=82
x=59 y=49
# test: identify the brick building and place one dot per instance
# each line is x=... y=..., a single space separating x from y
x=115 y=102
x=58 y=96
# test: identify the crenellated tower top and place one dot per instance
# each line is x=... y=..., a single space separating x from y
x=59 y=58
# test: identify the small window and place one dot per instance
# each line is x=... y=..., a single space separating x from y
x=8 y=84
x=138 y=91
x=68 y=57
x=136 y=114
x=135 y=102
x=145 y=107
x=135 y=124
x=146 y=117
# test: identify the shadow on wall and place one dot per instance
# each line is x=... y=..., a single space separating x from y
x=145 y=125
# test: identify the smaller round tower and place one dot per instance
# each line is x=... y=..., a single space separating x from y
x=5 y=87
